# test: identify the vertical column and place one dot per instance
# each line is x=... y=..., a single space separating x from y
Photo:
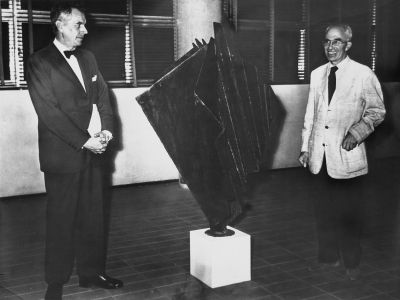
x=271 y=66
x=15 y=47
x=303 y=48
x=1 y=50
x=372 y=34
x=194 y=20
x=130 y=62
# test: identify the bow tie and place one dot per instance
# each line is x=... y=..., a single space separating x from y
x=68 y=53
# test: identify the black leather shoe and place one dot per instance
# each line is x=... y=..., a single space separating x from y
x=102 y=281
x=54 y=291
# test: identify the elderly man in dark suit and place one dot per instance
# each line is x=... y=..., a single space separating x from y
x=71 y=99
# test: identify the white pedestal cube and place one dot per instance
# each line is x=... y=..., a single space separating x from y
x=220 y=261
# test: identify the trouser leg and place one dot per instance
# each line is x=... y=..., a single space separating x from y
x=62 y=192
x=326 y=219
x=351 y=222
x=90 y=231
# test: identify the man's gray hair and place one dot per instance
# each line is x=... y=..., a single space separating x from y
x=345 y=27
x=64 y=7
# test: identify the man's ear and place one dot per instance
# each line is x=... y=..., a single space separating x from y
x=59 y=25
x=348 y=45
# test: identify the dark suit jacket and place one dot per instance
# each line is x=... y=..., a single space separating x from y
x=64 y=108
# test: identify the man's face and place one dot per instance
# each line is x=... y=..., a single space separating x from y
x=72 y=28
x=336 y=45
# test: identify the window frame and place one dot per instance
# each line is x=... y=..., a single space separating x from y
x=16 y=16
x=303 y=28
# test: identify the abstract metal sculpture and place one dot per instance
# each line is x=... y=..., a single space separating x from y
x=212 y=114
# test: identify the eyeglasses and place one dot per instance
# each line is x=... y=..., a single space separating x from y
x=333 y=43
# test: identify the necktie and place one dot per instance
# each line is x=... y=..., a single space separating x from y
x=331 y=83
x=68 y=53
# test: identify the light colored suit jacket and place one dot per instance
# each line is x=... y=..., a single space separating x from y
x=356 y=107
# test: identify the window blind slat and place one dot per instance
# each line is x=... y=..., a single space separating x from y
x=154 y=51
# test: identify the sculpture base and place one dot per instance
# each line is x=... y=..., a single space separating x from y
x=220 y=261
x=225 y=232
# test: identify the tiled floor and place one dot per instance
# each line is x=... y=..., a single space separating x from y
x=149 y=243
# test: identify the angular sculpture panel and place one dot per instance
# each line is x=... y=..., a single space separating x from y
x=211 y=113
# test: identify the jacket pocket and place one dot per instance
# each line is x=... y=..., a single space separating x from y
x=353 y=160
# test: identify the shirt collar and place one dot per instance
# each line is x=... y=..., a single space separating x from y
x=60 y=47
x=340 y=65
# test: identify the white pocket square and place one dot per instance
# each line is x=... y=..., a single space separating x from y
x=94 y=78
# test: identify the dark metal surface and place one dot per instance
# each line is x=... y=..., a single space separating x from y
x=210 y=111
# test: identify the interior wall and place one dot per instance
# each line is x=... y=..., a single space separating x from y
x=140 y=156
x=293 y=99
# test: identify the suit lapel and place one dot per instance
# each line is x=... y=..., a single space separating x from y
x=344 y=83
x=323 y=89
x=85 y=69
x=62 y=65
x=324 y=83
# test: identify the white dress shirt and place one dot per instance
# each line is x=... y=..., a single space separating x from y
x=95 y=121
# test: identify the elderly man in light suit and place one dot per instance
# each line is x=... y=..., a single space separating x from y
x=344 y=106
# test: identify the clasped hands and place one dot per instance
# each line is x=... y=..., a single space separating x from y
x=99 y=142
